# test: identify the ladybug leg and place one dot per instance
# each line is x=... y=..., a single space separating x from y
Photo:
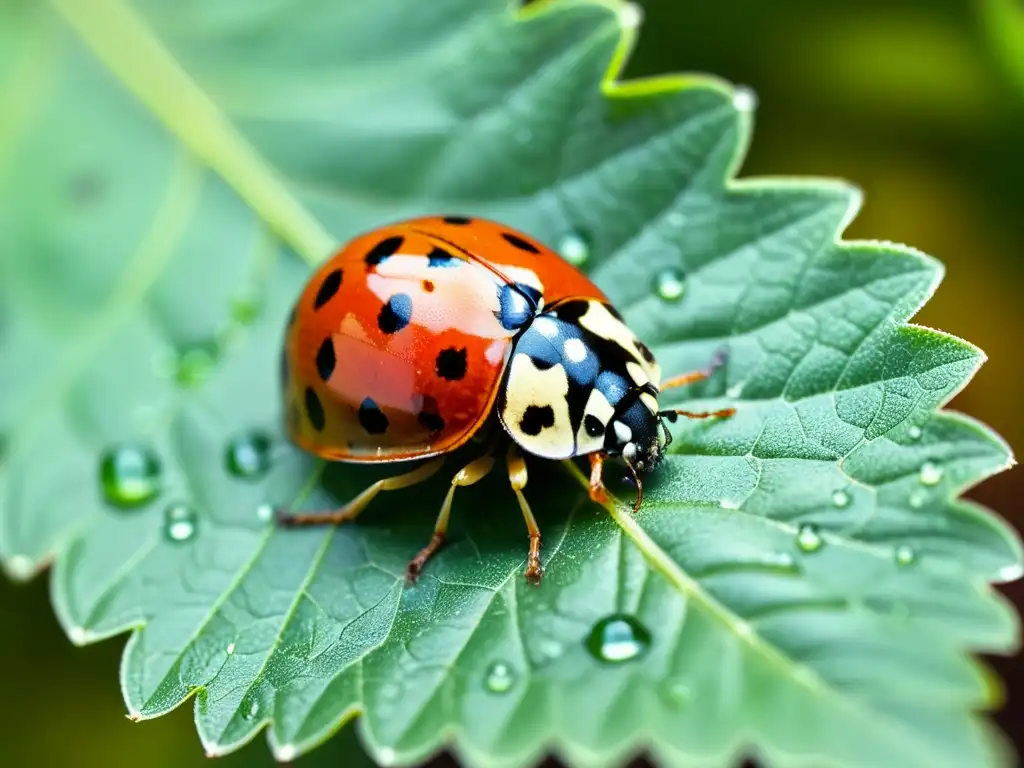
x=358 y=504
x=598 y=492
x=517 y=477
x=473 y=472
x=672 y=413
x=717 y=362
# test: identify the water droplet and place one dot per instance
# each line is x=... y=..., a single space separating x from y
x=246 y=307
x=675 y=219
x=782 y=560
x=670 y=284
x=574 y=249
x=386 y=756
x=678 y=693
x=808 y=539
x=195 y=363
x=735 y=390
x=917 y=499
x=254 y=709
x=265 y=512
x=618 y=638
x=630 y=15
x=729 y=504
x=248 y=455
x=914 y=433
x=78 y=635
x=930 y=474
x=841 y=498
x=231 y=648
x=744 y=99
x=905 y=555
x=179 y=522
x=129 y=475
x=500 y=677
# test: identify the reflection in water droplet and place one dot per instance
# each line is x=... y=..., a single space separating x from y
x=914 y=433
x=917 y=499
x=248 y=455
x=1010 y=572
x=735 y=390
x=905 y=555
x=265 y=512
x=500 y=677
x=808 y=539
x=386 y=756
x=930 y=474
x=630 y=15
x=670 y=284
x=179 y=522
x=729 y=504
x=231 y=648
x=20 y=567
x=618 y=638
x=195 y=363
x=840 y=498
x=129 y=475
x=574 y=249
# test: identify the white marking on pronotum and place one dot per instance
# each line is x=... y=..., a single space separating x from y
x=575 y=350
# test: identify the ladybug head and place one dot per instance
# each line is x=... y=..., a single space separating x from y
x=636 y=432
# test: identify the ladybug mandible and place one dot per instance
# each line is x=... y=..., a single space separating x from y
x=403 y=344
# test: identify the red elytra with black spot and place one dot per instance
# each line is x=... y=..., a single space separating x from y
x=398 y=343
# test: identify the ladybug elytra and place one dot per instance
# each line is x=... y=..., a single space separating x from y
x=404 y=344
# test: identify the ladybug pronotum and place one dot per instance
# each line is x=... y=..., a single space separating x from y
x=404 y=344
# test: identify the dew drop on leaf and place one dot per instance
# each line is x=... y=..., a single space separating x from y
x=179 y=522
x=905 y=555
x=245 y=308
x=914 y=433
x=574 y=249
x=129 y=475
x=248 y=455
x=195 y=363
x=930 y=474
x=678 y=693
x=230 y=648
x=618 y=638
x=500 y=677
x=670 y=283
x=265 y=512
x=808 y=539
x=386 y=756
x=840 y=498
x=917 y=499
x=729 y=504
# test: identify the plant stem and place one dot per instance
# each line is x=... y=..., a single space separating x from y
x=131 y=51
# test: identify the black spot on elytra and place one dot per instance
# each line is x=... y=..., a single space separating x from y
x=314 y=410
x=372 y=418
x=537 y=418
x=593 y=425
x=519 y=243
x=325 y=359
x=644 y=351
x=328 y=288
x=395 y=315
x=430 y=420
x=451 y=363
x=456 y=219
x=439 y=257
x=386 y=247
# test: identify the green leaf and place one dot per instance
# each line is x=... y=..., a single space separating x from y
x=802 y=581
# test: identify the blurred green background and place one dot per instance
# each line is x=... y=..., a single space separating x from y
x=919 y=102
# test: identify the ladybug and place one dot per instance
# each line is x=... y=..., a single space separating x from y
x=405 y=344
